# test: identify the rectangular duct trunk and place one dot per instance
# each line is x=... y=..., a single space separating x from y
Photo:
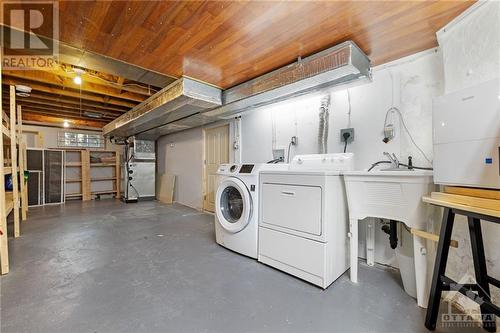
x=341 y=64
x=179 y=100
x=176 y=109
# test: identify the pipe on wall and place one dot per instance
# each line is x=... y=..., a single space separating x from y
x=324 y=116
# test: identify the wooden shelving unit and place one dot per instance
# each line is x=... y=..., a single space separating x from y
x=104 y=173
x=13 y=156
x=89 y=173
x=76 y=174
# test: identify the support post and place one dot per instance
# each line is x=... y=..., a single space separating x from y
x=85 y=158
x=13 y=152
x=22 y=148
x=4 y=248
x=118 y=175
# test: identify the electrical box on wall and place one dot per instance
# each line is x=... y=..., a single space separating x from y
x=347 y=134
x=279 y=154
x=467 y=137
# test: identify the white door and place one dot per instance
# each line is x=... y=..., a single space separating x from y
x=216 y=153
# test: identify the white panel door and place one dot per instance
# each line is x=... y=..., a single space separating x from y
x=216 y=153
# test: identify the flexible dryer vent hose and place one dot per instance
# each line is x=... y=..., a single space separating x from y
x=324 y=115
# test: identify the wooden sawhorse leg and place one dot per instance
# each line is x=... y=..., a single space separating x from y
x=476 y=239
x=439 y=269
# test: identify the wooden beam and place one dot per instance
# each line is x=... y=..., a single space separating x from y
x=58 y=81
x=60 y=112
x=72 y=101
x=117 y=175
x=13 y=158
x=63 y=116
x=22 y=149
x=4 y=246
x=493 y=204
x=62 y=105
x=88 y=75
x=55 y=107
x=68 y=92
x=120 y=81
x=473 y=192
x=85 y=171
x=432 y=237
x=29 y=116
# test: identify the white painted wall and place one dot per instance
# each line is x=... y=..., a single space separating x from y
x=471 y=46
x=181 y=154
x=471 y=49
x=409 y=83
x=415 y=79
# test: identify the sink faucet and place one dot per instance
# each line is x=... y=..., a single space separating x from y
x=394 y=160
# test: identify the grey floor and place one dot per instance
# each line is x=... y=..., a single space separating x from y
x=104 y=266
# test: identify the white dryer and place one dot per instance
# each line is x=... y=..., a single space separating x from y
x=303 y=218
x=236 y=206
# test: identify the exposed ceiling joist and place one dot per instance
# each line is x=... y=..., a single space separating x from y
x=112 y=81
x=58 y=109
x=36 y=96
x=51 y=79
x=61 y=91
x=33 y=117
x=64 y=116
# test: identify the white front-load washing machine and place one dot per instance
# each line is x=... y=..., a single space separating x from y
x=236 y=206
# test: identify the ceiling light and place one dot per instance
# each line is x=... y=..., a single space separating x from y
x=22 y=90
x=65 y=123
x=78 y=79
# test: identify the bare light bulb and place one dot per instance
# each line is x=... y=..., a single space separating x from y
x=78 y=80
x=65 y=124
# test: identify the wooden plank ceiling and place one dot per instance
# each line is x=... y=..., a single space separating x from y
x=221 y=43
x=226 y=43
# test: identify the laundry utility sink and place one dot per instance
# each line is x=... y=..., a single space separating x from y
x=395 y=195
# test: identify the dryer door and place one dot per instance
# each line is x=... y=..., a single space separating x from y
x=233 y=205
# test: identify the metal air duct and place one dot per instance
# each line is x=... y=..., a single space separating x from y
x=338 y=65
x=187 y=103
x=181 y=99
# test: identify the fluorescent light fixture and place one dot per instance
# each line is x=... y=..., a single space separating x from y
x=22 y=90
x=91 y=114
x=78 y=79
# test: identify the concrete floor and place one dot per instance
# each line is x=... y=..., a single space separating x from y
x=104 y=266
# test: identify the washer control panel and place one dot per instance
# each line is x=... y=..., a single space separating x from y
x=246 y=168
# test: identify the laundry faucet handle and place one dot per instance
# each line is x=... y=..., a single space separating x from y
x=396 y=161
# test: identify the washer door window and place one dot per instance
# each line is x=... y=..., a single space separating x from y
x=233 y=205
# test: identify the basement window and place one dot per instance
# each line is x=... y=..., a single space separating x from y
x=79 y=140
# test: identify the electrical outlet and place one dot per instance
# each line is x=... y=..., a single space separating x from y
x=279 y=153
x=350 y=131
x=294 y=140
